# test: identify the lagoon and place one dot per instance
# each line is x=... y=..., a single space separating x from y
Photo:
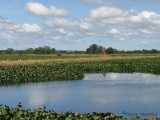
x=121 y=93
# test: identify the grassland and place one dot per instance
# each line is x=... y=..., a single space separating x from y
x=30 y=59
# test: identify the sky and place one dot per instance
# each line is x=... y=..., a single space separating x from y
x=76 y=24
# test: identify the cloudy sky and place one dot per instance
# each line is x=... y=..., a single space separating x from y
x=76 y=24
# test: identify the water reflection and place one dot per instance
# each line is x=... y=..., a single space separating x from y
x=110 y=92
x=122 y=76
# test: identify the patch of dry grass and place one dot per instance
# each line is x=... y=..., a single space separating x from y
x=71 y=60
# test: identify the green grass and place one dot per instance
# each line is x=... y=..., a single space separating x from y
x=17 y=57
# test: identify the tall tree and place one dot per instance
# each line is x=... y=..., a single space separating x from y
x=94 y=49
x=9 y=50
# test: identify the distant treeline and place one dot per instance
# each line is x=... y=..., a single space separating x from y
x=39 y=50
x=93 y=49
x=111 y=50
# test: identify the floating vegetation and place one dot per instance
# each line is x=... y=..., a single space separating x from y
x=74 y=71
x=7 y=113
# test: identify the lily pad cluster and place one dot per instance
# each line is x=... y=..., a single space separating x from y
x=7 y=113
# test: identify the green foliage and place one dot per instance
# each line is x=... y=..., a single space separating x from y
x=34 y=73
x=53 y=50
x=7 y=113
x=44 y=50
x=94 y=49
x=9 y=50
x=30 y=51
x=74 y=71
x=110 y=50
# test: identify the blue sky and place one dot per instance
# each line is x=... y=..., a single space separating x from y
x=76 y=24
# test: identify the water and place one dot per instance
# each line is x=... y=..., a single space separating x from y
x=124 y=94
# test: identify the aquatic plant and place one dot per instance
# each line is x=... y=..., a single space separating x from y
x=7 y=113
x=74 y=71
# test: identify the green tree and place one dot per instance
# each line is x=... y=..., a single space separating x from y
x=53 y=50
x=94 y=49
x=9 y=50
x=154 y=51
x=39 y=50
x=30 y=50
x=46 y=50
x=144 y=51
x=110 y=50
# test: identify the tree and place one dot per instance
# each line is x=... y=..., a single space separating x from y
x=53 y=50
x=30 y=50
x=46 y=50
x=154 y=51
x=110 y=50
x=94 y=49
x=144 y=51
x=9 y=50
x=39 y=50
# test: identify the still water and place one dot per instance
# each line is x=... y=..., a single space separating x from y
x=124 y=94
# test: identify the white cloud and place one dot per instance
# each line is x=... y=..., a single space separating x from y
x=61 y=22
x=135 y=19
x=145 y=43
x=146 y=31
x=98 y=2
x=105 y=12
x=127 y=23
x=40 y=10
x=61 y=31
x=85 y=25
x=7 y=25
x=106 y=22
x=30 y=28
x=101 y=22
x=113 y=31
